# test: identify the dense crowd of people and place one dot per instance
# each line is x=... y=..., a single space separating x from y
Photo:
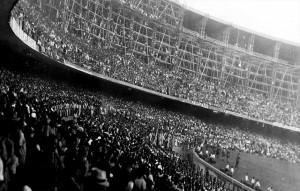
x=73 y=138
x=61 y=43
x=83 y=140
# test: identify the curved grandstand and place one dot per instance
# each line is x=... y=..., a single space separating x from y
x=87 y=139
x=161 y=46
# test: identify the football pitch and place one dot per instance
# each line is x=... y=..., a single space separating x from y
x=281 y=175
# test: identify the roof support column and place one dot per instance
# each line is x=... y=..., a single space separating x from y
x=298 y=97
x=226 y=35
x=203 y=26
x=251 y=43
x=276 y=50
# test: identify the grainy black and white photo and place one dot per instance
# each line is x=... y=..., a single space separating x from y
x=150 y=95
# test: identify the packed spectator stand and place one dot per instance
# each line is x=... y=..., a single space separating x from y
x=52 y=127
x=107 y=58
x=81 y=140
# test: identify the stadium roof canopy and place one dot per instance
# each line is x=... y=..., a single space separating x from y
x=206 y=9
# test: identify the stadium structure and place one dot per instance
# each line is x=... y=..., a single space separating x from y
x=172 y=36
x=180 y=39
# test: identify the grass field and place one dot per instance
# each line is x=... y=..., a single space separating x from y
x=281 y=175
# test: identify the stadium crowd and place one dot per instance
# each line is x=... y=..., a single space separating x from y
x=87 y=141
x=74 y=139
x=52 y=127
x=62 y=43
x=71 y=139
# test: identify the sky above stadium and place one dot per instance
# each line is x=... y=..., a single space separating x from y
x=276 y=18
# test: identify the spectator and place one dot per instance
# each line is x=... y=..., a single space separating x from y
x=227 y=168
x=231 y=171
x=140 y=182
x=253 y=182
x=97 y=180
x=237 y=161
x=246 y=179
x=257 y=185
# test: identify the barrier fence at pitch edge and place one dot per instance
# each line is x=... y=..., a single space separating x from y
x=230 y=182
x=17 y=29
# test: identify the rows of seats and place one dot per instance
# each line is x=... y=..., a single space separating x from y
x=75 y=139
x=112 y=64
x=51 y=127
x=79 y=137
x=166 y=79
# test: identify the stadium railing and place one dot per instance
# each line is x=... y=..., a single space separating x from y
x=230 y=182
